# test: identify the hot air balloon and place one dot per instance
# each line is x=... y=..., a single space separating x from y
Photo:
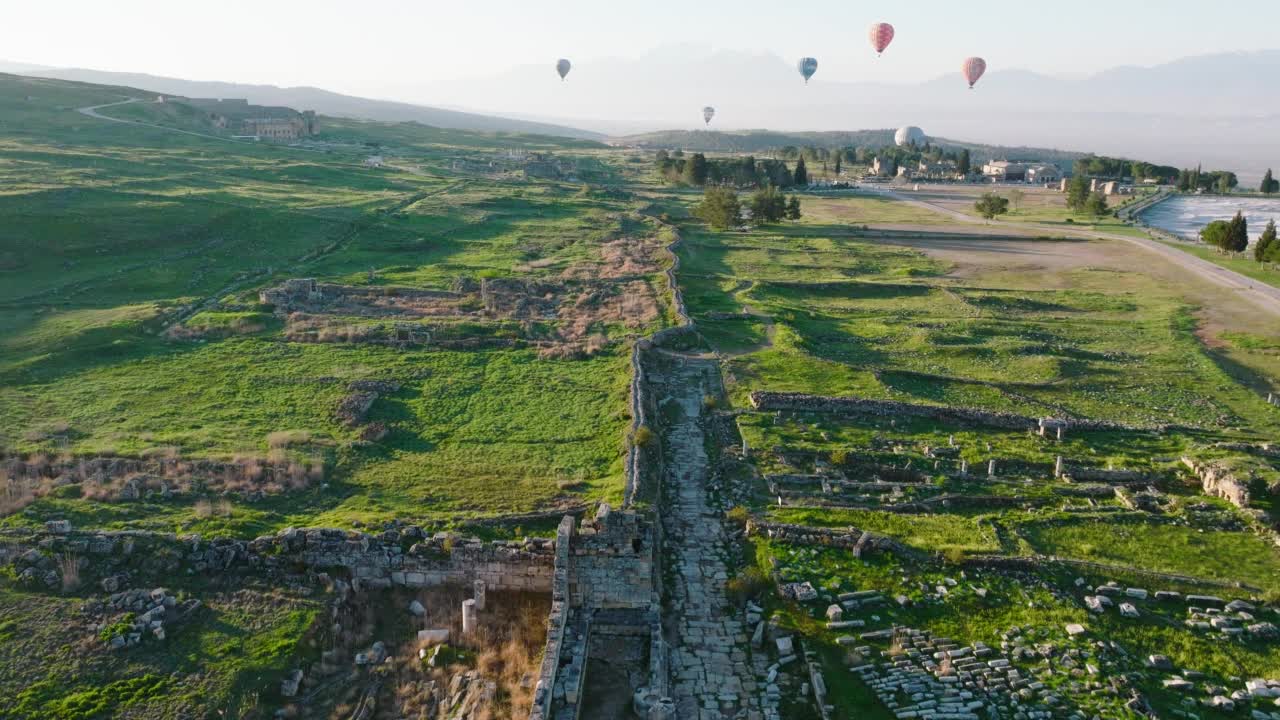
x=807 y=67
x=909 y=135
x=708 y=112
x=562 y=67
x=973 y=69
x=881 y=36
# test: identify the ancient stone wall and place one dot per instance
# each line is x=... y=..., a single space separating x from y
x=544 y=689
x=612 y=562
x=1219 y=482
x=404 y=557
x=800 y=402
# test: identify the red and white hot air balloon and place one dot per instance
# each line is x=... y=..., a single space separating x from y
x=973 y=69
x=881 y=35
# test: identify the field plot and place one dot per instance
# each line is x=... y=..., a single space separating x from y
x=869 y=318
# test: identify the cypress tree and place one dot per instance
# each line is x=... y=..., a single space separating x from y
x=1237 y=234
x=1266 y=246
x=1269 y=184
x=802 y=173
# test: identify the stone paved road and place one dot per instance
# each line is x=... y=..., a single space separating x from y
x=712 y=676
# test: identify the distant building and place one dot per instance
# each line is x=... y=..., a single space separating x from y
x=940 y=170
x=275 y=123
x=373 y=161
x=281 y=128
x=884 y=168
x=1043 y=173
x=1015 y=171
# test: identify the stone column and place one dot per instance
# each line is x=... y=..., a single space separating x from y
x=991 y=468
x=1060 y=433
x=1057 y=467
x=964 y=467
x=479 y=594
x=468 y=616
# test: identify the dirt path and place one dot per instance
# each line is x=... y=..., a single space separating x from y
x=770 y=329
x=1263 y=296
x=712 y=677
x=92 y=111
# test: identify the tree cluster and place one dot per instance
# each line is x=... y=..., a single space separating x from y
x=746 y=172
x=1269 y=184
x=1081 y=199
x=1221 y=181
x=722 y=209
x=1227 y=235
x=1098 y=166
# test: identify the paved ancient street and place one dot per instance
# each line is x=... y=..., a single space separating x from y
x=712 y=676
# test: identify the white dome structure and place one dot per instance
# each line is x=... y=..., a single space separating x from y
x=909 y=135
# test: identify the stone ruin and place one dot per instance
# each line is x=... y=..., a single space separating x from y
x=1218 y=481
x=800 y=402
x=601 y=575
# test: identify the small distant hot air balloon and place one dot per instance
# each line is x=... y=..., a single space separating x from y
x=562 y=67
x=708 y=112
x=973 y=69
x=807 y=67
x=881 y=36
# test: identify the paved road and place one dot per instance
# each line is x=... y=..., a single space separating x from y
x=1263 y=295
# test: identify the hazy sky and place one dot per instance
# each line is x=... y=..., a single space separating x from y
x=382 y=47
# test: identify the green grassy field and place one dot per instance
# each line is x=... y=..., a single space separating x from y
x=866 y=318
x=1242 y=263
x=137 y=227
x=244 y=642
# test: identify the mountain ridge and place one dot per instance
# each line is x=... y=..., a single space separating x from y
x=322 y=101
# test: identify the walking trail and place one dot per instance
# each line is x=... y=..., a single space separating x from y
x=713 y=677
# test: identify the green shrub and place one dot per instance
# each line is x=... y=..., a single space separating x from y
x=747 y=584
x=643 y=436
x=738 y=515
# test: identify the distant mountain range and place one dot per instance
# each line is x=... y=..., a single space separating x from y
x=306 y=98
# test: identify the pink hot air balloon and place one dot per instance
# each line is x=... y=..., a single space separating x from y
x=973 y=69
x=881 y=36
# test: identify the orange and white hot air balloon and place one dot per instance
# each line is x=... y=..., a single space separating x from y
x=881 y=35
x=973 y=69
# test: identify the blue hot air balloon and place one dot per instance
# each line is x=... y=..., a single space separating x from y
x=807 y=67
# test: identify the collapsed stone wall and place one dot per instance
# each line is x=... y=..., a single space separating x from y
x=1218 y=481
x=404 y=558
x=850 y=538
x=801 y=402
